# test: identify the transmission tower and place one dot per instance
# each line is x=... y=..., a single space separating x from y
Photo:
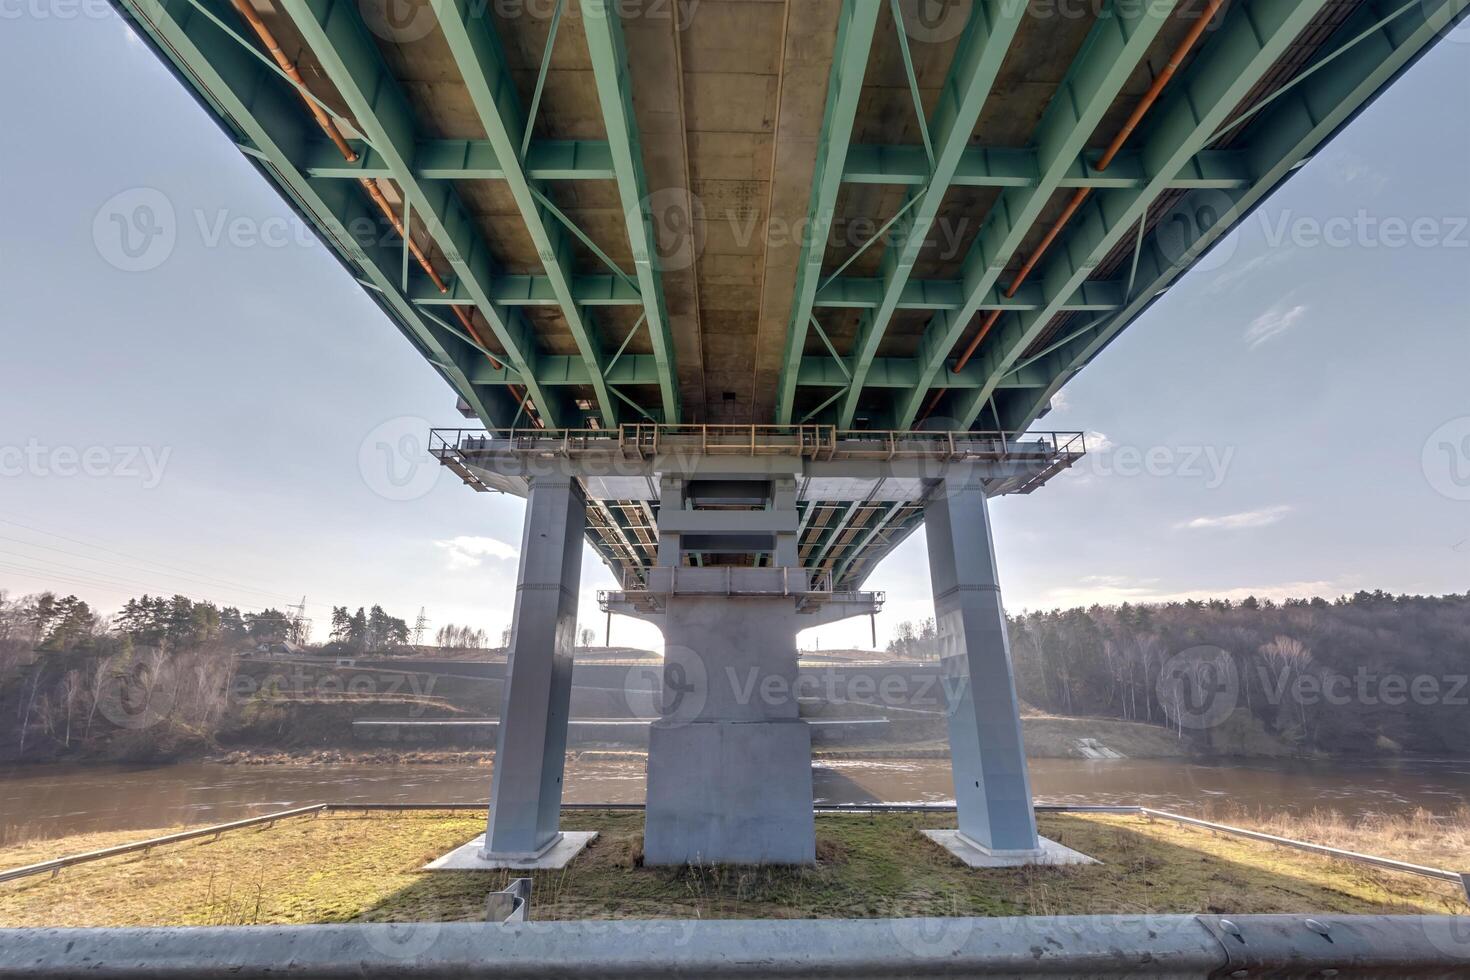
x=300 y=625
x=419 y=625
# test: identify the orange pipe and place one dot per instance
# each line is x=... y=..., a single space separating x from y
x=274 y=47
x=1139 y=111
x=335 y=134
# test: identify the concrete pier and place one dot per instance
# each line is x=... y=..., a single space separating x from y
x=992 y=787
x=530 y=748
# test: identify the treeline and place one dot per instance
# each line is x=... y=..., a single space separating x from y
x=374 y=630
x=145 y=683
x=1371 y=672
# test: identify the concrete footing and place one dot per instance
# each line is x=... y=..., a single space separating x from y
x=554 y=856
x=978 y=856
x=729 y=792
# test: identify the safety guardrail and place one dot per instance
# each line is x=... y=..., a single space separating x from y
x=805 y=441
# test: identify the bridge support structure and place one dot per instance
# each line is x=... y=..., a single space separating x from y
x=731 y=568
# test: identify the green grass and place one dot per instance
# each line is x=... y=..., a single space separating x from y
x=340 y=868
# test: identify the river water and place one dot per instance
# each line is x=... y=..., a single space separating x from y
x=52 y=801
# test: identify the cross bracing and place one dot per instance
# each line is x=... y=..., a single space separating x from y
x=588 y=214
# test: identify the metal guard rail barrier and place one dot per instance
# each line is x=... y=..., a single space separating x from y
x=1022 y=946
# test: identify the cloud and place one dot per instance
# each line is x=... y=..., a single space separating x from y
x=1232 y=274
x=468 y=551
x=1234 y=522
x=1272 y=324
x=1345 y=169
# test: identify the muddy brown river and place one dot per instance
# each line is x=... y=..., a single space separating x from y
x=52 y=801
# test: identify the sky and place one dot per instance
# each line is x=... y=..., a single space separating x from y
x=236 y=421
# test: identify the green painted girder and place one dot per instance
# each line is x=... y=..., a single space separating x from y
x=1284 y=135
x=469 y=160
x=266 y=116
x=563 y=369
x=977 y=63
x=866 y=539
x=1252 y=37
x=1111 y=54
x=856 y=293
x=990 y=167
x=521 y=290
x=903 y=372
x=855 y=26
x=609 y=56
x=480 y=60
x=335 y=33
x=835 y=531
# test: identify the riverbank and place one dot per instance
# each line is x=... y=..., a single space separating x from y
x=346 y=868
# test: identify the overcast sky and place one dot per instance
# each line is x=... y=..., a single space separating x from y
x=1293 y=418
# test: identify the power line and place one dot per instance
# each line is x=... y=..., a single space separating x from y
x=131 y=567
x=148 y=561
x=89 y=578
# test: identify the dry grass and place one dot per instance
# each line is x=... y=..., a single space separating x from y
x=341 y=868
x=1418 y=838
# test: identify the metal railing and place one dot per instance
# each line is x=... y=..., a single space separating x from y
x=646 y=440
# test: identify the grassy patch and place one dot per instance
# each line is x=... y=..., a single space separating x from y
x=339 y=868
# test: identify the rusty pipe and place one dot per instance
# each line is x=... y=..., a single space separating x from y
x=1146 y=103
x=285 y=64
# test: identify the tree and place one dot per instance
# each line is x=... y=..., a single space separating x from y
x=70 y=622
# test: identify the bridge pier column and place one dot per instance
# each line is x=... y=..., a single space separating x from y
x=729 y=760
x=530 y=746
x=987 y=757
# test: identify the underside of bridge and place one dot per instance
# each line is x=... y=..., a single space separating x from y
x=755 y=288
